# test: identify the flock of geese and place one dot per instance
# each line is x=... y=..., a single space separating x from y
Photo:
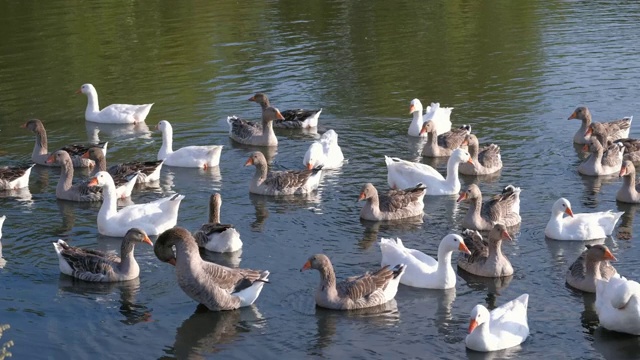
x=487 y=222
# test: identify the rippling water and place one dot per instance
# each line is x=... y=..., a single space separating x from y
x=513 y=70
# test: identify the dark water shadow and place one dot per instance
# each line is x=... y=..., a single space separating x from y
x=372 y=228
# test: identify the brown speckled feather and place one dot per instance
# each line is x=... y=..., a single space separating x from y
x=357 y=287
x=478 y=247
x=290 y=178
x=399 y=199
x=243 y=129
x=452 y=139
x=489 y=156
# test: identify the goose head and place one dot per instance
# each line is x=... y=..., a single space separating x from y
x=164 y=126
x=257 y=159
x=499 y=232
x=580 y=113
x=94 y=153
x=34 y=125
x=270 y=114
x=313 y=155
x=627 y=168
x=593 y=145
x=562 y=205
x=367 y=192
x=453 y=242
x=599 y=253
x=472 y=192
x=138 y=235
x=479 y=315
x=101 y=179
x=416 y=106
x=318 y=262
x=470 y=140
x=427 y=127
x=59 y=157
x=163 y=248
x=86 y=89
x=596 y=129
x=461 y=155
x=260 y=98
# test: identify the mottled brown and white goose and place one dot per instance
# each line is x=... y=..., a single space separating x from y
x=630 y=191
x=592 y=264
x=148 y=171
x=40 y=152
x=66 y=189
x=215 y=236
x=356 y=292
x=486 y=161
x=394 y=205
x=98 y=266
x=292 y=119
x=214 y=286
x=601 y=162
x=503 y=208
x=617 y=129
x=15 y=177
x=486 y=257
x=631 y=147
x=274 y=183
x=250 y=133
x=440 y=145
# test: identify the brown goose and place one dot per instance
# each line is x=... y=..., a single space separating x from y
x=292 y=119
x=486 y=257
x=15 y=177
x=485 y=161
x=289 y=182
x=250 y=133
x=148 y=171
x=356 y=292
x=592 y=264
x=97 y=266
x=503 y=208
x=214 y=286
x=395 y=204
x=215 y=236
x=631 y=147
x=40 y=152
x=618 y=129
x=443 y=144
x=601 y=162
x=66 y=190
x=630 y=191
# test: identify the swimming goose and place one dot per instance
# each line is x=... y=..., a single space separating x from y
x=504 y=327
x=423 y=271
x=601 y=162
x=148 y=171
x=250 y=133
x=66 y=190
x=631 y=147
x=325 y=153
x=441 y=145
x=289 y=182
x=112 y=114
x=617 y=129
x=630 y=191
x=503 y=208
x=402 y=174
x=214 y=286
x=486 y=161
x=215 y=236
x=617 y=304
x=15 y=177
x=292 y=119
x=486 y=257
x=203 y=157
x=441 y=117
x=40 y=152
x=153 y=217
x=592 y=264
x=394 y=205
x=584 y=226
x=98 y=266
x=356 y=292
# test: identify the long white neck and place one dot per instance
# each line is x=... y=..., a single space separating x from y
x=167 y=144
x=416 y=123
x=109 y=204
x=452 y=173
x=93 y=107
x=445 y=270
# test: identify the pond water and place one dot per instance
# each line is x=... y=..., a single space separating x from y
x=513 y=70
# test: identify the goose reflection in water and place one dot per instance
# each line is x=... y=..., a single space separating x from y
x=205 y=331
x=625 y=229
x=117 y=131
x=481 y=283
x=393 y=228
x=281 y=205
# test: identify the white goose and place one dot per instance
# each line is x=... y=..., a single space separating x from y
x=112 y=114
x=504 y=327
x=585 y=226
x=402 y=174
x=202 y=157
x=154 y=217
x=16 y=177
x=423 y=271
x=325 y=153
x=617 y=304
x=440 y=115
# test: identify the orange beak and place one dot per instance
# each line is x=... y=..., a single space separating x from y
x=249 y=161
x=93 y=181
x=306 y=266
x=506 y=236
x=253 y=98
x=569 y=212
x=411 y=109
x=470 y=161
x=79 y=91
x=279 y=115
x=362 y=196
x=309 y=166
x=463 y=248
x=148 y=241
x=51 y=159
x=465 y=142
x=423 y=130
x=585 y=148
x=172 y=261
x=463 y=196
x=623 y=171
x=609 y=256
x=588 y=132
x=85 y=155
x=472 y=325
x=572 y=116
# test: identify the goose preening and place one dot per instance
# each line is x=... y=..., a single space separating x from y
x=15 y=177
x=394 y=205
x=486 y=258
x=592 y=264
x=630 y=191
x=441 y=145
x=601 y=161
x=214 y=286
x=98 y=266
x=582 y=226
x=617 y=129
x=40 y=152
x=485 y=161
x=291 y=119
x=203 y=156
x=274 y=183
x=112 y=114
x=439 y=115
x=250 y=133
x=148 y=171
x=356 y=292
x=423 y=271
x=504 y=327
x=503 y=208
x=66 y=189
x=326 y=153
x=215 y=236
x=618 y=305
x=630 y=147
